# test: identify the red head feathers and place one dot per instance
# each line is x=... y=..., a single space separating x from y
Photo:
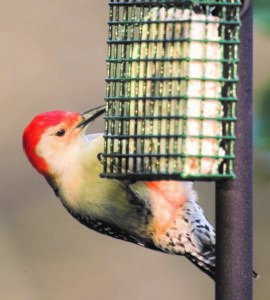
x=34 y=131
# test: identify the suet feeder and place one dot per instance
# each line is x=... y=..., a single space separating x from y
x=171 y=89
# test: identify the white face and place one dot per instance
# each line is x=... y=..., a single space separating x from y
x=58 y=146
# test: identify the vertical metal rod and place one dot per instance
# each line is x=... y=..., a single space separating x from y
x=234 y=198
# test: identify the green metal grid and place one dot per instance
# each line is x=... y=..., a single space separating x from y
x=171 y=89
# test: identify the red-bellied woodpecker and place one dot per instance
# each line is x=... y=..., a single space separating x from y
x=161 y=215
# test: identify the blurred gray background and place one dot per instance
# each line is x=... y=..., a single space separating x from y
x=52 y=56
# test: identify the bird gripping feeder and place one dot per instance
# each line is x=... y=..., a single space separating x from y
x=171 y=89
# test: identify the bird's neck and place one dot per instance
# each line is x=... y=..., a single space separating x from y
x=79 y=173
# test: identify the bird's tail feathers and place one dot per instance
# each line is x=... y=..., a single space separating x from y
x=205 y=261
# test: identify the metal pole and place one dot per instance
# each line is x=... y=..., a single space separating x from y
x=234 y=198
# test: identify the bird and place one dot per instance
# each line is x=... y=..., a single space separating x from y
x=162 y=215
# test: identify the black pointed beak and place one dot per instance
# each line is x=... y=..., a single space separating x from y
x=91 y=115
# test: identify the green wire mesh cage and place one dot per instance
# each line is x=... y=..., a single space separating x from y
x=171 y=89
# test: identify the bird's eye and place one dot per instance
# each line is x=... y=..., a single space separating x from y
x=61 y=132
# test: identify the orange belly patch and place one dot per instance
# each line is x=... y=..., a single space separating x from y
x=169 y=197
